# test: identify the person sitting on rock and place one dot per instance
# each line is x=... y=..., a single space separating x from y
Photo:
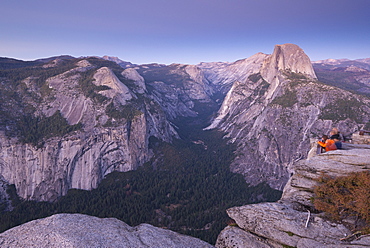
x=337 y=137
x=327 y=143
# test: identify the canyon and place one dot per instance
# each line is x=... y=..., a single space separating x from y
x=272 y=107
x=104 y=112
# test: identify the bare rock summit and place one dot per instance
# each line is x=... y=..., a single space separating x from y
x=287 y=57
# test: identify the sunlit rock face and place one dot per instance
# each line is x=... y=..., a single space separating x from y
x=289 y=222
x=287 y=57
x=77 y=230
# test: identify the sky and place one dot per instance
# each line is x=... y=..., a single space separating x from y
x=186 y=31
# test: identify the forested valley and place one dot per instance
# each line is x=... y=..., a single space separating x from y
x=186 y=187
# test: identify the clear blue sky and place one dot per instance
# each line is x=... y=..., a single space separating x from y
x=183 y=31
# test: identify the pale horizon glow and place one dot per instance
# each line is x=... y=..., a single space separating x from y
x=187 y=32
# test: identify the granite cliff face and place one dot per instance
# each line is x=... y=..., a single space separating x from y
x=77 y=230
x=177 y=88
x=223 y=75
x=273 y=110
x=289 y=222
x=117 y=118
x=118 y=110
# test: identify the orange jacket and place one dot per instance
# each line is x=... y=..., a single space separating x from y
x=329 y=145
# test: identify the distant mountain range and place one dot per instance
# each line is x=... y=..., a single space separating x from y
x=352 y=75
x=333 y=63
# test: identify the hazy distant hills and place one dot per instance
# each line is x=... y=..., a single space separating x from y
x=353 y=75
x=335 y=63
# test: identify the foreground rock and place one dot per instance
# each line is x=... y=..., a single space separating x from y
x=77 y=230
x=291 y=221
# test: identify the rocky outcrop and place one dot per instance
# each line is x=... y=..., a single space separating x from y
x=363 y=137
x=289 y=221
x=132 y=74
x=77 y=230
x=105 y=77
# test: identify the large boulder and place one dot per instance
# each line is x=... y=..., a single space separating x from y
x=77 y=230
